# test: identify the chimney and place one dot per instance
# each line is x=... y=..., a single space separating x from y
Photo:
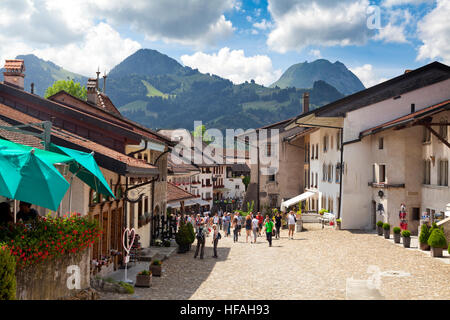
x=92 y=91
x=306 y=102
x=32 y=88
x=14 y=73
x=104 y=82
x=407 y=71
x=413 y=108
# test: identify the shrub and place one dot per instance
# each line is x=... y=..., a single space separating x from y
x=144 y=273
x=379 y=223
x=437 y=239
x=397 y=230
x=424 y=234
x=156 y=262
x=7 y=275
x=386 y=226
x=185 y=234
x=191 y=233
x=166 y=243
x=322 y=211
x=406 y=233
x=338 y=220
x=128 y=287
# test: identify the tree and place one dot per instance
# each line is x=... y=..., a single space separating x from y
x=69 y=86
x=200 y=131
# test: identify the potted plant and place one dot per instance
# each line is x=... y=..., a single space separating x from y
x=338 y=224
x=423 y=237
x=322 y=211
x=184 y=237
x=144 y=279
x=397 y=231
x=406 y=235
x=437 y=242
x=387 y=230
x=155 y=267
x=380 y=228
x=147 y=217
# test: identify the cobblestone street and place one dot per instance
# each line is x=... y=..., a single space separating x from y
x=315 y=265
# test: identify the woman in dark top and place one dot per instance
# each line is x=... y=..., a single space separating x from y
x=278 y=224
x=248 y=227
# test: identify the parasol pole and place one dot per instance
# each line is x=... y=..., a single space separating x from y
x=15 y=211
x=70 y=191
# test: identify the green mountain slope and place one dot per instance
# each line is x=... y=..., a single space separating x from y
x=303 y=75
x=43 y=73
x=158 y=92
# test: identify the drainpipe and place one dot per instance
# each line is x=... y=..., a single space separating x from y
x=131 y=154
x=340 y=172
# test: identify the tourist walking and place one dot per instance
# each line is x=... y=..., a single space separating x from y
x=248 y=228
x=291 y=224
x=201 y=237
x=260 y=222
x=239 y=222
x=255 y=226
x=269 y=228
x=216 y=238
x=235 y=229
x=278 y=221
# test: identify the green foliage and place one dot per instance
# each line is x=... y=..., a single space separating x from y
x=7 y=275
x=397 y=230
x=246 y=181
x=144 y=273
x=386 y=226
x=166 y=243
x=156 y=262
x=71 y=87
x=128 y=287
x=424 y=234
x=191 y=232
x=437 y=239
x=338 y=220
x=322 y=211
x=379 y=223
x=185 y=235
x=200 y=131
x=406 y=233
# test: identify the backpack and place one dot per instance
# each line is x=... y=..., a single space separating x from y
x=219 y=236
x=200 y=235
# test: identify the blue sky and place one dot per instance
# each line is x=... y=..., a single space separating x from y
x=236 y=39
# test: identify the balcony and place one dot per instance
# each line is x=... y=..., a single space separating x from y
x=386 y=185
x=219 y=186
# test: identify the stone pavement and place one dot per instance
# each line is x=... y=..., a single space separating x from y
x=317 y=264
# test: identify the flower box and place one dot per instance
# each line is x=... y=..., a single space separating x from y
x=143 y=280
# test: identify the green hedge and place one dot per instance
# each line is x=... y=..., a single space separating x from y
x=386 y=226
x=406 y=233
x=397 y=230
x=437 y=239
x=424 y=234
x=379 y=223
x=7 y=275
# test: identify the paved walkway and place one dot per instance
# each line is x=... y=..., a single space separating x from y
x=317 y=264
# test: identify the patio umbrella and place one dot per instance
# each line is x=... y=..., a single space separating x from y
x=86 y=169
x=29 y=175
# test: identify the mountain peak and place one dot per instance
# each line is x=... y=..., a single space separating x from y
x=303 y=75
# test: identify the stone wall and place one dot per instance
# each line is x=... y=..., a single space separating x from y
x=48 y=281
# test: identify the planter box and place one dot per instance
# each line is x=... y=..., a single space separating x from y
x=183 y=248
x=406 y=242
x=424 y=246
x=380 y=230
x=387 y=234
x=397 y=237
x=143 y=281
x=436 y=252
x=337 y=226
x=156 y=270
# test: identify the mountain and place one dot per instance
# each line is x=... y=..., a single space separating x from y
x=44 y=73
x=157 y=91
x=303 y=75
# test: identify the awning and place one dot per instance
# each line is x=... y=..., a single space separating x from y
x=188 y=203
x=312 y=121
x=293 y=201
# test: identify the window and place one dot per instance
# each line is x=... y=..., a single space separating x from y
x=330 y=173
x=312 y=153
x=325 y=143
x=427 y=172
x=146 y=204
x=443 y=128
x=382 y=174
x=338 y=140
x=443 y=173
x=312 y=179
x=324 y=172
x=272 y=178
x=317 y=178
x=415 y=214
x=380 y=143
x=338 y=172
x=269 y=149
x=237 y=187
x=426 y=135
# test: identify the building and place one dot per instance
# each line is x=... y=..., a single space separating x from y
x=373 y=151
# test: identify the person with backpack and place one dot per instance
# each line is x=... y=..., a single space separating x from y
x=201 y=236
x=278 y=221
x=255 y=224
x=216 y=237
x=260 y=222
x=269 y=229
x=235 y=226
x=248 y=227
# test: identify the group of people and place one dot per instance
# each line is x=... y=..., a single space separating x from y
x=254 y=224
x=25 y=213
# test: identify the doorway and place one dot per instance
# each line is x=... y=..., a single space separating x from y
x=374 y=215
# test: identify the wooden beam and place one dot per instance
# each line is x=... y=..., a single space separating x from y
x=437 y=135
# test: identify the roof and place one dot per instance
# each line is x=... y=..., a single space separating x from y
x=413 y=80
x=105 y=103
x=15 y=64
x=239 y=167
x=179 y=165
x=177 y=194
x=78 y=142
x=439 y=107
x=18 y=137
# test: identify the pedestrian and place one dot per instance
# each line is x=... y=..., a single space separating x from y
x=201 y=238
x=26 y=213
x=260 y=222
x=269 y=228
x=255 y=224
x=216 y=238
x=291 y=224
x=278 y=220
x=235 y=229
x=228 y=223
x=239 y=222
x=248 y=227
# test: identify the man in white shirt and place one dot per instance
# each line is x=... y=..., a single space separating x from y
x=255 y=230
x=291 y=224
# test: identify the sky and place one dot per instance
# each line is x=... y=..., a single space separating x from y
x=239 y=40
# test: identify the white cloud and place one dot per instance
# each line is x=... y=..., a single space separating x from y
x=320 y=22
x=395 y=30
x=393 y=3
x=367 y=75
x=315 y=53
x=434 y=32
x=234 y=65
x=263 y=25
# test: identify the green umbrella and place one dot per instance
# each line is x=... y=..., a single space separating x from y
x=29 y=175
x=86 y=169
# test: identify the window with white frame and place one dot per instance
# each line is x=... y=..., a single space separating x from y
x=427 y=172
x=317 y=151
x=338 y=140
x=317 y=179
x=443 y=173
x=325 y=143
x=443 y=128
x=324 y=172
x=338 y=172
x=330 y=173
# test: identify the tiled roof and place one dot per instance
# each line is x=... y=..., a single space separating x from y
x=416 y=115
x=18 y=137
x=17 y=64
x=105 y=103
x=179 y=165
x=75 y=139
x=177 y=194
